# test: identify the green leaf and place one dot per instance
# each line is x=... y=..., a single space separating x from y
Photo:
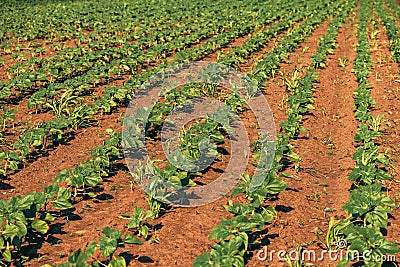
x=93 y=180
x=241 y=188
x=63 y=193
x=175 y=180
x=62 y=203
x=287 y=175
x=40 y=226
x=294 y=157
x=303 y=129
x=107 y=246
x=276 y=186
x=220 y=232
x=389 y=247
x=13 y=165
x=378 y=217
x=9 y=231
x=25 y=202
x=37 y=142
x=22 y=230
x=155 y=117
x=269 y=214
x=49 y=218
x=91 y=249
x=244 y=238
x=111 y=233
x=133 y=223
x=62 y=176
x=132 y=239
x=51 y=190
x=144 y=231
x=203 y=260
x=78 y=258
x=118 y=262
x=7 y=255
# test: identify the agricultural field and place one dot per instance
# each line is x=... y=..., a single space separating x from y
x=315 y=181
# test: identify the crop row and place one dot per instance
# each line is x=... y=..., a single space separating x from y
x=208 y=128
x=235 y=234
x=81 y=116
x=84 y=67
x=79 y=181
x=74 y=20
x=240 y=54
x=267 y=213
x=32 y=214
x=392 y=30
x=368 y=207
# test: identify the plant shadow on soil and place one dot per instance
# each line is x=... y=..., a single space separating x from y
x=3 y=185
x=283 y=208
x=36 y=241
x=263 y=236
x=265 y=241
x=40 y=153
x=129 y=258
x=14 y=100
